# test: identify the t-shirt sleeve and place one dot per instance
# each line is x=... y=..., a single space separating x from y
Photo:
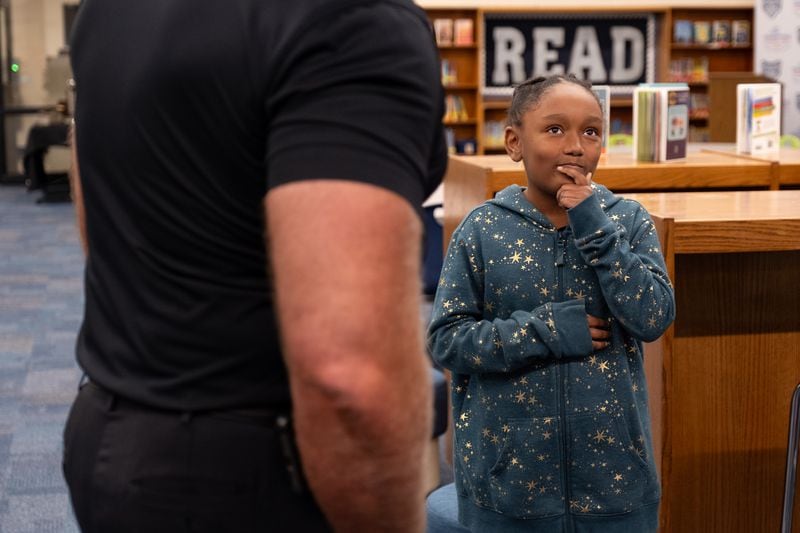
x=358 y=97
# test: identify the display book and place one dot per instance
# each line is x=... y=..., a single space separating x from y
x=758 y=118
x=660 y=121
x=603 y=93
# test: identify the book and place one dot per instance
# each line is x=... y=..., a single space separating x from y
x=682 y=31
x=443 y=29
x=660 y=121
x=449 y=73
x=702 y=32
x=603 y=93
x=758 y=118
x=721 y=32
x=740 y=32
x=463 y=31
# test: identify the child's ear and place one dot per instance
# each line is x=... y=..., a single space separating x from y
x=513 y=144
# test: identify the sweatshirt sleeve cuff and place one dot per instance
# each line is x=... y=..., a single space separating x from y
x=573 y=328
x=587 y=217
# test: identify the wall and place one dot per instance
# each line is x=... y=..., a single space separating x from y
x=37 y=29
x=777 y=54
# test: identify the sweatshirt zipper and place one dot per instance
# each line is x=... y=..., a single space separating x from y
x=561 y=253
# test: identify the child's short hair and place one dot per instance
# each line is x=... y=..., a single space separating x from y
x=528 y=93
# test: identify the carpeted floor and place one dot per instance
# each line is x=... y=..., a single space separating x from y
x=41 y=305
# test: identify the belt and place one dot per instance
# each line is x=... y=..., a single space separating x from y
x=261 y=415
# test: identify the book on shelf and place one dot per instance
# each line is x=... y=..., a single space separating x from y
x=454 y=109
x=721 y=32
x=698 y=106
x=740 y=32
x=689 y=70
x=449 y=72
x=603 y=93
x=758 y=118
x=494 y=135
x=463 y=32
x=450 y=139
x=702 y=32
x=443 y=30
x=660 y=121
x=683 y=31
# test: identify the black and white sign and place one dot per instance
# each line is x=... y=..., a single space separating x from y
x=606 y=49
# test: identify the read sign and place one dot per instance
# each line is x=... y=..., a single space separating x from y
x=606 y=49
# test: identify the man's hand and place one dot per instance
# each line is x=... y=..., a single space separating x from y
x=571 y=194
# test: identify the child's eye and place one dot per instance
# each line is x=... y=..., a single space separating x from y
x=554 y=130
x=592 y=131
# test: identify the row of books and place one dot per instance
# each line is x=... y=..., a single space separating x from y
x=454 y=32
x=661 y=120
x=689 y=70
x=454 y=109
x=717 y=33
x=459 y=146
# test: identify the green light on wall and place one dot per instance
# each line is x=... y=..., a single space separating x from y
x=14 y=67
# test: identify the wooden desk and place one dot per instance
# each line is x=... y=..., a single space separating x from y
x=472 y=179
x=787 y=160
x=721 y=379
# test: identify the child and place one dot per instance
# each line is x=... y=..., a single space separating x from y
x=546 y=295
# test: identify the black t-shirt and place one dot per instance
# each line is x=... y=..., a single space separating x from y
x=188 y=112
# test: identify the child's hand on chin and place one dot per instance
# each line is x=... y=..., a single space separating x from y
x=571 y=194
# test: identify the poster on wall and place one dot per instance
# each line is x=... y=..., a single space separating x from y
x=607 y=49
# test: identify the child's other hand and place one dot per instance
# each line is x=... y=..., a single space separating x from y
x=571 y=194
x=598 y=329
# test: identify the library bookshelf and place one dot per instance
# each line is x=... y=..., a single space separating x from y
x=476 y=126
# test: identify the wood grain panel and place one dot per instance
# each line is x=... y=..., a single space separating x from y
x=735 y=363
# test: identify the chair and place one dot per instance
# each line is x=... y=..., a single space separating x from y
x=791 y=462
x=442 y=510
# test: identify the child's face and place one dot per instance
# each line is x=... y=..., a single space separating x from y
x=565 y=128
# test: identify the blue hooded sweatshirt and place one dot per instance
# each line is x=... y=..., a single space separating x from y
x=549 y=434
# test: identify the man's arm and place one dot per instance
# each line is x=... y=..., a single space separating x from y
x=345 y=259
x=75 y=189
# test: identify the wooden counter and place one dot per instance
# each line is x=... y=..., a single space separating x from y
x=787 y=159
x=472 y=179
x=721 y=379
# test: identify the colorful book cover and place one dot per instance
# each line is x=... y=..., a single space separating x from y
x=740 y=30
x=702 y=32
x=443 y=29
x=758 y=112
x=721 y=32
x=661 y=121
x=463 y=30
x=683 y=31
x=676 y=107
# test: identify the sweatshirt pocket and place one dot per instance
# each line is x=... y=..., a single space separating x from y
x=524 y=474
x=609 y=473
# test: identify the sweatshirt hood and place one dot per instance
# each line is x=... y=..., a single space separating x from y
x=513 y=199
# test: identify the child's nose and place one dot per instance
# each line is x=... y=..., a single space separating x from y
x=572 y=144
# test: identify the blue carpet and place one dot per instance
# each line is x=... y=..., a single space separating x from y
x=41 y=305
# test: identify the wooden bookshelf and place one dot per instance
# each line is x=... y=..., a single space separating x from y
x=728 y=57
x=482 y=111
